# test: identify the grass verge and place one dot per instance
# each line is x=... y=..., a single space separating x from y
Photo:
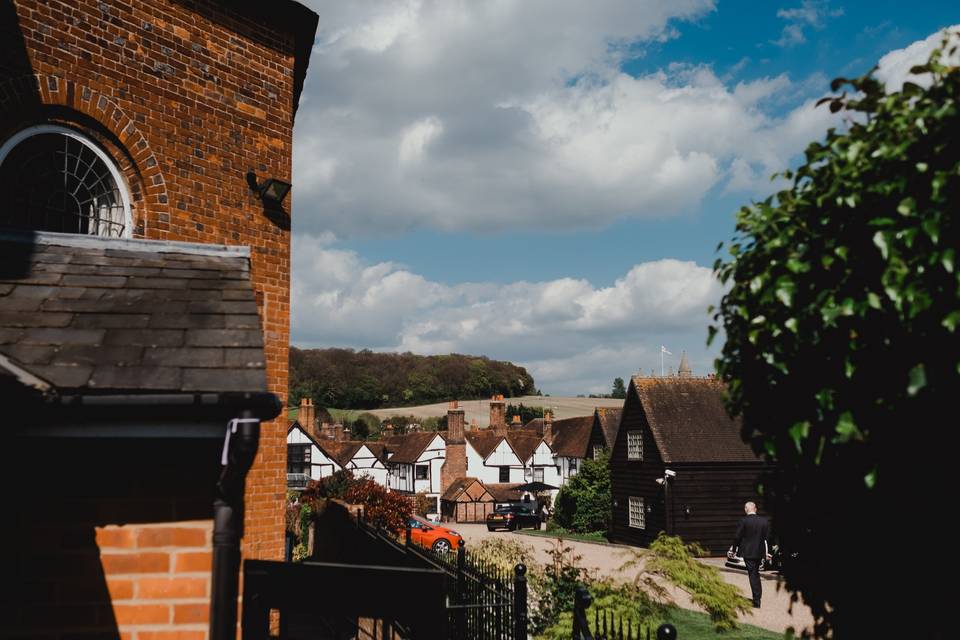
x=694 y=625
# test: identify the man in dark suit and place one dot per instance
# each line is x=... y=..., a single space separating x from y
x=751 y=544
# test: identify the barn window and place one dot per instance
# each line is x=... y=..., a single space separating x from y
x=55 y=179
x=638 y=515
x=422 y=470
x=634 y=445
x=298 y=458
x=573 y=466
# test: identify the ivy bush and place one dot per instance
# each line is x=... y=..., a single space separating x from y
x=842 y=349
x=583 y=504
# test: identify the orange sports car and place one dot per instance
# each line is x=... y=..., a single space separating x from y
x=433 y=536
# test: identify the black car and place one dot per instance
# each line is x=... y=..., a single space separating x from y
x=513 y=517
x=776 y=559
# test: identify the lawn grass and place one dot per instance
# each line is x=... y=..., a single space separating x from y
x=694 y=625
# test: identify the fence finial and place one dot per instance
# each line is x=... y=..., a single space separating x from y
x=666 y=632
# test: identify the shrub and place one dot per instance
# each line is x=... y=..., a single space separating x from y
x=670 y=558
x=842 y=323
x=390 y=511
x=583 y=503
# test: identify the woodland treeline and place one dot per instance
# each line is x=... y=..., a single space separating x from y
x=349 y=379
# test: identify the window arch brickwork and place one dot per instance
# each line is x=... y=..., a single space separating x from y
x=22 y=101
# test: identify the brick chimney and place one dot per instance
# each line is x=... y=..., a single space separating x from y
x=307 y=416
x=455 y=422
x=515 y=423
x=498 y=414
x=548 y=427
x=455 y=463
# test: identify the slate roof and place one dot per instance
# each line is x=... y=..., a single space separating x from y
x=610 y=424
x=408 y=447
x=571 y=436
x=100 y=315
x=688 y=420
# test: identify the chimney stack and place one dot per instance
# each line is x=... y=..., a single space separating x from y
x=455 y=420
x=455 y=460
x=515 y=423
x=548 y=427
x=498 y=414
x=307 y=416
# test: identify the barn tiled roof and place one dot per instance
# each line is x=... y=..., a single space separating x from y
x=689 y=422
x=609 y=423
x=524 y=443
x=102 y=315
x=408 y=447
x=457 y=487
x=504 y=492
x=483 y=441
x=571 y=436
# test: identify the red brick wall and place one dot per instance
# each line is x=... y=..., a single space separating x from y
x=186 y=98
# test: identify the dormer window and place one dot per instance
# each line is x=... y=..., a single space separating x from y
x=56 y=179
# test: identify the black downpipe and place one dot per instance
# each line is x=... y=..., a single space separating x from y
x=241 y=448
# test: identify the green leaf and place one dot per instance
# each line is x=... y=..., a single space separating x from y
x=907 y=207
x=946 y=259
x=871 y=478
x=798 y=433
x=873 y=300
x=951 y=321
x=917 y=380
x=880 y=240
x=846 y=429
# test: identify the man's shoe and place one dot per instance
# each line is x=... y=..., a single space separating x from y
x=756 y=604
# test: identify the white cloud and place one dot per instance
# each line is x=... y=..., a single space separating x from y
x=894 y=68
x=810 y=13
x=503 y=115
x=569 y=332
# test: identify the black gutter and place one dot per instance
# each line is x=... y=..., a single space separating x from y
x=240 y=450
x=199 y=406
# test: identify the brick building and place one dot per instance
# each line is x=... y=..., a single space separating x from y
x=134 y=126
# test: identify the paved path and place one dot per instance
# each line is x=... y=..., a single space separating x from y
x=607 y=560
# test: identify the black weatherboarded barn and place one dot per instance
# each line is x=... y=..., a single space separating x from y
x=680 y=425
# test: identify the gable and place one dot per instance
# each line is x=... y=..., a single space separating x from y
x=503 y=455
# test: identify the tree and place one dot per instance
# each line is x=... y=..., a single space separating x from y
x=583 y=503
x=619 y=390
x=526 y=413
x=841 y=352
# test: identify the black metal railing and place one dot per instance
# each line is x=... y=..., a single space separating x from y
x=608 y=625
x=484 y=601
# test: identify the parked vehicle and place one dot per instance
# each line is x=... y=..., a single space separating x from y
x=513 y=517
x=433 y=536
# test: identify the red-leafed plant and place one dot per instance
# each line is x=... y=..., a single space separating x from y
x=388 y=510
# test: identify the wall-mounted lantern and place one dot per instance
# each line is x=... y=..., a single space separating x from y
x=270 y=190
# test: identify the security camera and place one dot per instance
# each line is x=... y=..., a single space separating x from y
x=659 y=480
x=670 y=474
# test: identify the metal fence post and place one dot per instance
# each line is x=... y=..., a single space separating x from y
x=409 y=535
x=666 y=632
x=520 y=601
x=461 y=598
x=582 y=600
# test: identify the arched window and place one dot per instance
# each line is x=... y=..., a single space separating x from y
x=55 y=179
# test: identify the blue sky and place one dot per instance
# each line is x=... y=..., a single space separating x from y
x=547 y=182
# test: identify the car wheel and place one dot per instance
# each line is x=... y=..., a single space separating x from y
x=441 y=546
x=512 y=526
x=491 y=528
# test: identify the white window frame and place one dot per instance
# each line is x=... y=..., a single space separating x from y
x=40 y=129
x=636 y=506
x=635 y=448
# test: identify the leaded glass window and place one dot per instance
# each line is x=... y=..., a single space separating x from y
x=57 y=180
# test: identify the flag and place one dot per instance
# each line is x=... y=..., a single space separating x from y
x=663 y=349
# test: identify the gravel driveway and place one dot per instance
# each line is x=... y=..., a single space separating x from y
x=607 y=560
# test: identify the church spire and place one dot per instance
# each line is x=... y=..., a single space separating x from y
x=685 y=371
